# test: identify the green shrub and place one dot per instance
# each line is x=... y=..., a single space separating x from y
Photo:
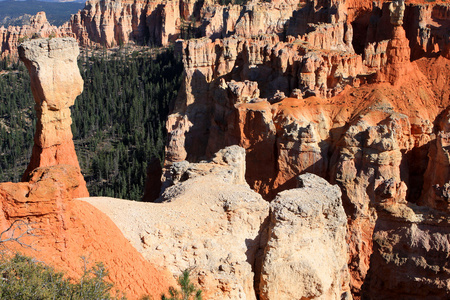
x=188 y=289
x=25 y=278
x=22 y=39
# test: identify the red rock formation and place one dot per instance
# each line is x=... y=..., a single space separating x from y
x=67 y=230
x=276 y=66
x=358 y=139
x=55 y=83
x=11 y=37
x=112 y=23
x=425 y=25
x=246 y=21
x=397 y=65
x=378 y=137
x=370 y=135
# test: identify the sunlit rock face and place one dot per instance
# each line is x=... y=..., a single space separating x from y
x=306 y=254
x=305 y=101
x=55 y=83
x=12 y=36
x=69 y=234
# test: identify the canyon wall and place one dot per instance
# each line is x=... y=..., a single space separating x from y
x=113 y=23
x=12 y=36
x=303 y=100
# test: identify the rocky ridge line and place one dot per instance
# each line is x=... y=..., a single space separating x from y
x=211 y=222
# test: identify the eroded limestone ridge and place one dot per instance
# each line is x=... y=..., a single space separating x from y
x=55 y=83
x=236 y=245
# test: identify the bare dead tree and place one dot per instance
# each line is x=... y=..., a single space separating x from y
x=16 y=232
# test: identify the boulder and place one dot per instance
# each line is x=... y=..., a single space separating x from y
x=306 y=254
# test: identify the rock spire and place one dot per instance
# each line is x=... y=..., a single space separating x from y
x=398 y=52
x=55 y=83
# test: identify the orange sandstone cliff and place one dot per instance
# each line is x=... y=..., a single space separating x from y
x=12 y=36
x=303 y=100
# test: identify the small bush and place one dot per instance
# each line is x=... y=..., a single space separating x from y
x=188 y=289
x=22 y=39
x=24 y=278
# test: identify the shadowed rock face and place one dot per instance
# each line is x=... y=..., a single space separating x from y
x=55 y=83
x=410 y=254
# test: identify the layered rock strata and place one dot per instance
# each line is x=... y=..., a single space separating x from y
x=112 y=23
x=70 y=235
x=397 y=64
x=370 y=134
x=12 y=36
x=55 y=83
x=425 y=26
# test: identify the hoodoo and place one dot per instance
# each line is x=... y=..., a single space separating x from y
x=359 y=98
x=65 y=233
x=55 y=83
x=398 y=52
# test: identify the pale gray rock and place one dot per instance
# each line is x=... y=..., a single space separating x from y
x=306 y=255
x=55 y=77
x=208 y=223
x=228 y=164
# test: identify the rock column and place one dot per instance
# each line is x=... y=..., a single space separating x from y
x=55 y=83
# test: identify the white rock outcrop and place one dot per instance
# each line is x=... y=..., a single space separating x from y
x=306 y=255
x=210 y=222
x=207 y=223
